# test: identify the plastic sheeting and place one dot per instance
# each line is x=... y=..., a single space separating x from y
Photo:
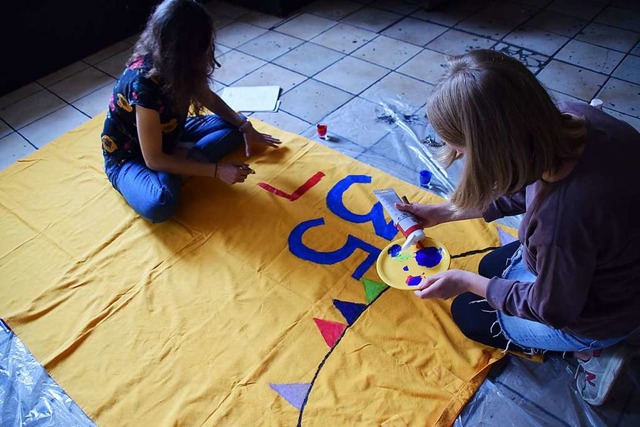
x=28 y=395
x=524 y=393
x=391 y=133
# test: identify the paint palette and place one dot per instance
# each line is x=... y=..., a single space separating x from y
x=406 y=269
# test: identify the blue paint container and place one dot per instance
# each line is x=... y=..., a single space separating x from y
x=425 y=178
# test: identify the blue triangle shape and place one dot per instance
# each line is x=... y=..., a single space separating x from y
x=505 y=238
x=294 y=393
x=350 y=310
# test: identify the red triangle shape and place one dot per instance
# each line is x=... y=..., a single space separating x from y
x=330 y=331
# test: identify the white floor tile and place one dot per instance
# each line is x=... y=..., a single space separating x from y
x=557 y=23
x=351 y=74
x=235 y=65
x=226 y=9
x=537 y=40
x=372 y=19
x=627 y=19
x=115 y=65
x=415 y=31
x=455 y=42
x=309 y=59
x=559 y=96
x=451 y=13
x=283 y=120
x=75 y=87
x=19 y=94
x=387 y=52
x=571 y=80
x=63 y=73
x=259 y=20
x=31 y=108
x=305 y=26
x=610 y=37
x=636 y=50
x=399 y=7
x=595 y=58
x=221 y=21
x=336 y=142
x=583 y=9
x=356 y=121
x=629 y=4
x=269 y=46
x=238 y=33
x=96 y=102
x=332 y=9
x=497 y=19
x=313 y=100
x=48 y=128
x=12 y=148
x=344 y=38
x=5 y=129
x=400 y=88
x=633 y=121
x=534 y=61
x=621 y=96
x=629 y=69
x=427 y=66
x=272 y=74
x=107 y=52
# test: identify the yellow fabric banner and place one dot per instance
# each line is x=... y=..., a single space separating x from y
x=258 y=304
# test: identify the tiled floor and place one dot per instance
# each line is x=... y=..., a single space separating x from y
x=333 y=55
x=337 y=60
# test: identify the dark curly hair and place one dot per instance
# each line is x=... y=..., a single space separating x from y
x=178 y=39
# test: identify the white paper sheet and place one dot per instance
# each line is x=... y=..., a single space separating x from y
x=252 y=98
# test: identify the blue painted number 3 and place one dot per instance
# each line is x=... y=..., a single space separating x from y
x=336 y=206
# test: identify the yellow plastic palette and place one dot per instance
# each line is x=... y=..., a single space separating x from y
x=406 y=269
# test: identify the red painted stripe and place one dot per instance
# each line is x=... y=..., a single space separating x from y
x=298 y=192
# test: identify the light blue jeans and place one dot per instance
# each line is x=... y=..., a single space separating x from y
x=155 y=195
x=535 y=335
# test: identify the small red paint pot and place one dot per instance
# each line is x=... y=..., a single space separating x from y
x=322 y=130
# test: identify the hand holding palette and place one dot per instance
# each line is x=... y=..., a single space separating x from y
x=405 y=269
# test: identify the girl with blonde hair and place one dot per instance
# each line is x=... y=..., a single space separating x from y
x=572 y=281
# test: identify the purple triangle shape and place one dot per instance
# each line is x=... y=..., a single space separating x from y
x=294 y=393
x=350 y=310
x=505 y=238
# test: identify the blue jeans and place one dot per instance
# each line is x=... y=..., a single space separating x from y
x=535 y=335
x=155 y=195
x=480 y=322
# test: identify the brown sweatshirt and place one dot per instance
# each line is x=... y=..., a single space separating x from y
x=582 y=240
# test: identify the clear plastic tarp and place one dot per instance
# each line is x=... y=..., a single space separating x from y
x=393 y=135
x=28 y=395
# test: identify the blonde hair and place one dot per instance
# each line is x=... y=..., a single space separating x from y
x=494 y=109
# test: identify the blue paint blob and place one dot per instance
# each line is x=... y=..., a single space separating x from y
x=394 y=250
x=413 y=280
x=428 y=257
x=405 y=268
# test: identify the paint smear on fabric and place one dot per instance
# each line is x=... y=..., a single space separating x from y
x=429 y=257
x=413 y=280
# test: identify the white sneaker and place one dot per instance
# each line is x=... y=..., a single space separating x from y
x=600 y=372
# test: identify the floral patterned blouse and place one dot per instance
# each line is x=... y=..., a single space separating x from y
x=120 y=136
